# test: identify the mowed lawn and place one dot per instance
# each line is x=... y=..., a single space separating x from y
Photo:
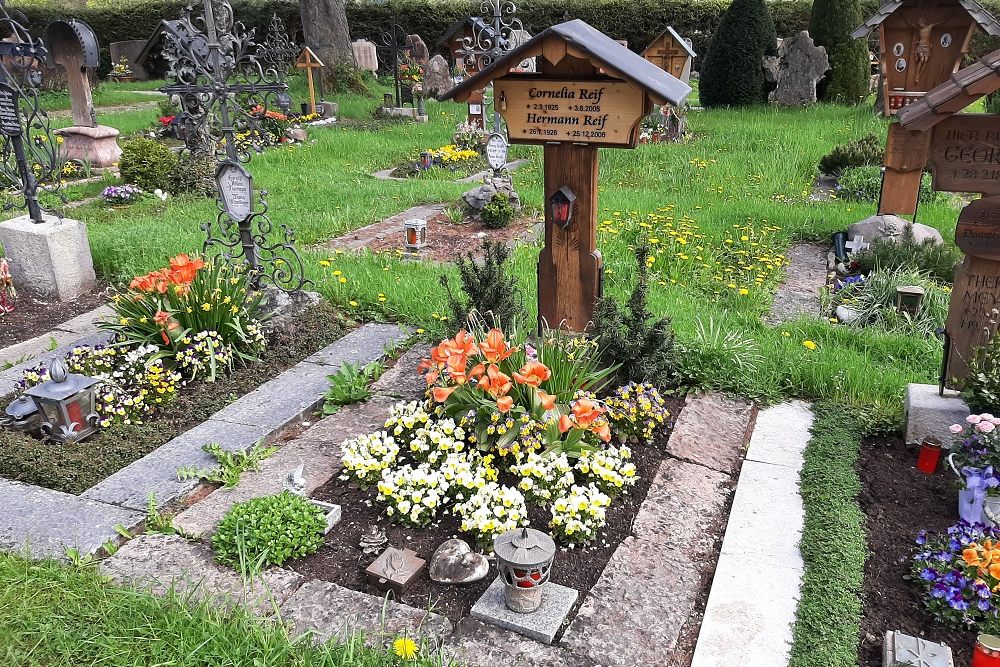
x=720 y=210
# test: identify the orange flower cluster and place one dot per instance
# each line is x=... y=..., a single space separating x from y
x=450 y=361
x=985 y=557
x=167 y=323
x=587 y=415
x=259 y=110
x=179 y=274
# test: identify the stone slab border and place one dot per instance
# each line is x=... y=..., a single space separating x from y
x=48 y=522
x=63 y=334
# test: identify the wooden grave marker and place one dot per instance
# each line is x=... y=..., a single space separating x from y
x=308 y=61
x=671 y=53
x=589 y=92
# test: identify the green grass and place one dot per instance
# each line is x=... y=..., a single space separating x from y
x=56 y=616
x=744 y=167
x=833 y=545
x=105 y=94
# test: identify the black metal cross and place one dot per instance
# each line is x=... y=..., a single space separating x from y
x=394 y=43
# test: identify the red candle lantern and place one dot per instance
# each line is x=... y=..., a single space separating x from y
x=561 y=204
x=67 y=402
x=987 y=653
x=524 y=557
x=930 y=456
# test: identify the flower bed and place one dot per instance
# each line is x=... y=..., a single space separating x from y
x=188 y=341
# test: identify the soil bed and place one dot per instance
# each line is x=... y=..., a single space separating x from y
x=341 y=561
x=34 y=316
x=447 y=241
x=899 y=501
x=75 y=468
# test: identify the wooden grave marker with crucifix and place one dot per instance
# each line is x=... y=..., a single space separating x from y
x=671 y=53
x=963 y=151
x=309 y=61
x=589 y=92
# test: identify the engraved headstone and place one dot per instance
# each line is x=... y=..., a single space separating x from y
x=10 y=122
x=801 y=64
x=437 y=78
x=365 y=55
x=394 y=570
x=496 y=151
x=418 y=50
x=236 y=190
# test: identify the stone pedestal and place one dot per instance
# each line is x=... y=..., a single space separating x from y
x=328 y=109
x=541 y=625
x=927 y=413
x=405 y=112
x=96 y=145
x=51 y=258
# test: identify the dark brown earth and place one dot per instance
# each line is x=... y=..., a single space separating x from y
x=447 y=241
x=35 y=316
x=340 y=560
x=899 y=501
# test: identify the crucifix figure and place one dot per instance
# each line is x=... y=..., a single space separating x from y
x=922 y=52
x=857 y=244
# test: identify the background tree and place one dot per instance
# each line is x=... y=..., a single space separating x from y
x=830 y=26
x=324 y=26
x=733 y=72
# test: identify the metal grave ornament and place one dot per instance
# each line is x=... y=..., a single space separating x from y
x=10 y=122
x=393 y=45
x=395 y=570
x=279 y=51
x=496 y=152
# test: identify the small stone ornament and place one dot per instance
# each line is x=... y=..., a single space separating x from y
x=373 y=541
x=295 y=481
x=454 y=562
x=394 y=570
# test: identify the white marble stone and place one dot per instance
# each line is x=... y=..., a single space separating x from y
x=50 y=258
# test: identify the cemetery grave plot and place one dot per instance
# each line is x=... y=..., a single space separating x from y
x=898 y=502
x=35 y=316
x=342 y=561
x=75 y=467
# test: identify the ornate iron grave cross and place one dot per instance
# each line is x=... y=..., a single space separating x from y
x=29 y=157
x=394 y=43
x=224 y=93
x=279 y=50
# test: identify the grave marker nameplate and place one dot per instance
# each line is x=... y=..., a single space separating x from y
x=235 y=190
x=592 y=112
x=965 y=154
x=978 y=230
x=496 y=151
x=10 y=121
x=905 y=150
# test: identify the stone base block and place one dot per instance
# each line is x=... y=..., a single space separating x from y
x=51 y=258
x=927 y=413
x=328 y=109
x=333 y=513
x=405 y=112
x=541 y=624
x=97 y=146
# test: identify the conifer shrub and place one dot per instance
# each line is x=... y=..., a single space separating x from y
x=830 y=26
x=733 y=71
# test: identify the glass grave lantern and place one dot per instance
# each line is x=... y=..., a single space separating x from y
x=67 y=403
x=524 y=557
x=18 y=414
x=426 y=160
x=387 y=101
x=561 y=204
x=414 y=234
x=908 y=299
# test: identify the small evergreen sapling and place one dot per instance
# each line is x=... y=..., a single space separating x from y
x=489 y=287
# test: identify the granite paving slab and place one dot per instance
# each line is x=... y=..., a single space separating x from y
x=542 y=624
x=319 y=456
x=635 y=613
x=46 y=522
x=163 y=562
x=289 y=397
x=712 y=431
x=402 y=380
x=799 y=292
x=476 y=644
x=329 y=611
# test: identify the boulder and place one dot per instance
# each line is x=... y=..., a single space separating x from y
x=418 y=50
x=892 y=227
x=437 y=78
x=480 y=196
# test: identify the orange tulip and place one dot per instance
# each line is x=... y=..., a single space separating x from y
x=462 y=344
x=456 y=368
x=585 y=411
x=495 y=348
x=505 y=403
x=495 y=382
x=565 y=423
x=441 y=394
x=533 y=373
x=548 y=400
x=603 y=431
x=161 y=317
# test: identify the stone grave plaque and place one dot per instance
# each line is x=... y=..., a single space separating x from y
x=235 y=190
x=978 y=230
x=965 y=154
x=496 y=151
x=10 y=120
x=394 y=570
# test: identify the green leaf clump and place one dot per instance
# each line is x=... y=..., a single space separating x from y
x=147 y=163
x=350 y=384
x=268 y=531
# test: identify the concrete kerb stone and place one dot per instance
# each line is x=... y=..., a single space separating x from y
x=46 y=523
x=927 y=413
x=402 y=380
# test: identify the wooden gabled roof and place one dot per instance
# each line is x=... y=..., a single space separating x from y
x=583 y=41
x=677 y=38
x=979 y=14
x=965 y=87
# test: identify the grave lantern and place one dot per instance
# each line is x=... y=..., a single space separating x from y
x=908 y=299
x=426 y=160
x=561 y=203
x=524 y=557
x=67 y=402
x=987 y=653
x=19 y=413
x=387 y=100
x=415 y=231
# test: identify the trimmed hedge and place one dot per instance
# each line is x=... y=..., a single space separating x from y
x=733 y=74
x=637 y=21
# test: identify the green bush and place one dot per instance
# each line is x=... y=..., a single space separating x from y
x=489 y=287
x=936 y=260
x=147 y=163
x=866 y=151
x=865 y=183
x=629 y=337
x=194 y=173
x=981 y=387
x=498 y=212
x=733 y=72
x=830 y=26
x=268 y=530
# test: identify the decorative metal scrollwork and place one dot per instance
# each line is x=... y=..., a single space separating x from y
x=278 y=49
x=492 y=36
x=393 y=44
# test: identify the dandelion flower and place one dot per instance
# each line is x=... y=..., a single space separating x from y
x=405 y=648
x=809 y=345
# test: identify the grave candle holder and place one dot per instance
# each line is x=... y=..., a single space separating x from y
x=930 y=456
x=387 y=100
x=987 y=653
x=414 y=234
x=562 y=205
x=524 y=558
x=18 y=414
x=908 y=299
x=67 y=403
x=426 y=160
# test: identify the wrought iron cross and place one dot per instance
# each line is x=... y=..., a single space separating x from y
x=278 y=49
x=393 y=44
x=492 y=37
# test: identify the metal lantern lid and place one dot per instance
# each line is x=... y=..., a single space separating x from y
x=61 y=383
x=21 y=408
x=524 y=548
